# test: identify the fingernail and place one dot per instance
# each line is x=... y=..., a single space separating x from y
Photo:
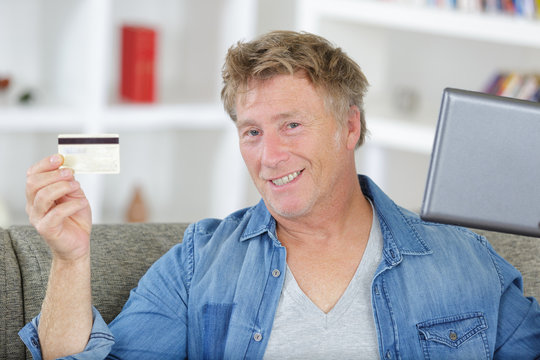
x=66 y=172
x=74 y=184
x=55 y=159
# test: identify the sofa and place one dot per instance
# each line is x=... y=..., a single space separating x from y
x=121 y=254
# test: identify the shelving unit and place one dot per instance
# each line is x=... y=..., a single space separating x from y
x=417 y=50
x=70 y=53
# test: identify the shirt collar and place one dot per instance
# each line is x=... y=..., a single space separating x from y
x=260 y=221
x=400 y=236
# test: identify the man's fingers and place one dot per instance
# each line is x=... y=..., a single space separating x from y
x=52 y=194
x=47 y=164
x=37 y=181
x=52 y=222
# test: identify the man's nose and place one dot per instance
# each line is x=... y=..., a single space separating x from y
x=274 y=150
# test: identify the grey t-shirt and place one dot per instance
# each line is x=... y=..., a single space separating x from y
x=303 y=331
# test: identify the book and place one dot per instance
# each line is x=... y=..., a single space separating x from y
x=512 y=85
x=515 y=85
x=137 y=83
x=529 y=9
x=528 y=89
x=495 y=83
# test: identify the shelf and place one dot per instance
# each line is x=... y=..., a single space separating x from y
x=39 y=118
x=401 y=135
x=116 y=118
x=496 y=28
x=151 y=117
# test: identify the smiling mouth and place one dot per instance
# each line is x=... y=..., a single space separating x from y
x=286 y=179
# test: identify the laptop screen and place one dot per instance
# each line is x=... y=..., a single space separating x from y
x=485 y=165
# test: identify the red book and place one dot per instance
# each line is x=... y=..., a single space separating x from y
x=138 y=64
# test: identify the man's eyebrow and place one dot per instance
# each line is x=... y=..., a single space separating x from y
x=245 y=122
x=289 y=114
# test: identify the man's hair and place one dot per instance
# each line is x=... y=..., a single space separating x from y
x=287 y=52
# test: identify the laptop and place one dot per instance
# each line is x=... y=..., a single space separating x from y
x=485 y=165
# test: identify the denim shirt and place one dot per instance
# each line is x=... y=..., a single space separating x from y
x=439 y=292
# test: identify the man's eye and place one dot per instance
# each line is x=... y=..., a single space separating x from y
x=293 y=125
x=253 y=132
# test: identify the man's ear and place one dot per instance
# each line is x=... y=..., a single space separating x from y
x=354 y=127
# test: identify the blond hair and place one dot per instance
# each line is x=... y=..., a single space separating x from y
x=289 y=52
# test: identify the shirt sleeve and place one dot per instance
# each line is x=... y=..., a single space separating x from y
x=153 y=323
x=518 y=329
x=99 y=345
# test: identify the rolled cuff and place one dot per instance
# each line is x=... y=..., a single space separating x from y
x=99 y=344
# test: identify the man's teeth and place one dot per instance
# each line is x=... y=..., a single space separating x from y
x=286 y=179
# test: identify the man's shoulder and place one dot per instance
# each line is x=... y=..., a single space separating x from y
x=412 y=234
x=438 y=234
x=232 y=227
x=209 y=226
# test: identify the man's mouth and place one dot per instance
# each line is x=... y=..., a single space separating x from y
x=286 y=179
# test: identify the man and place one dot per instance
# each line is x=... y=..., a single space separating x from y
x=326 y=265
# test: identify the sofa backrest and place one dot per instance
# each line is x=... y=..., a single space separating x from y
x=121 y=254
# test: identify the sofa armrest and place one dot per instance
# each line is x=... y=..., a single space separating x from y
x=11 y=301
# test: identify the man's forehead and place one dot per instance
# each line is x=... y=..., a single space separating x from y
x=253 y=86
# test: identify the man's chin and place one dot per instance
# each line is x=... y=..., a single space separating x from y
x=289 y=211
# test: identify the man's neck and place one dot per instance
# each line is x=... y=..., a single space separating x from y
x=344 y=221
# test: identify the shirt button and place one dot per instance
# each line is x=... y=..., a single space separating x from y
x=257 y=337
x=388 y=354
x=34 y=342
x=452 y=336
x=276 y=273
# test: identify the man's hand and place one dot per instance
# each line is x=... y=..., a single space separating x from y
x=58 y=209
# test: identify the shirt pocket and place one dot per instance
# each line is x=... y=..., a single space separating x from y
x=455 y=337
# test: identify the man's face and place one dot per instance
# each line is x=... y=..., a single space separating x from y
x=293 y=147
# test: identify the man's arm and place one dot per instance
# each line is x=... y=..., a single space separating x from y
x=59 y=210
x=66 y=313
x=518 y=328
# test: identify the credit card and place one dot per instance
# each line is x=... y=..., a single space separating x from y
x=90 y=154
